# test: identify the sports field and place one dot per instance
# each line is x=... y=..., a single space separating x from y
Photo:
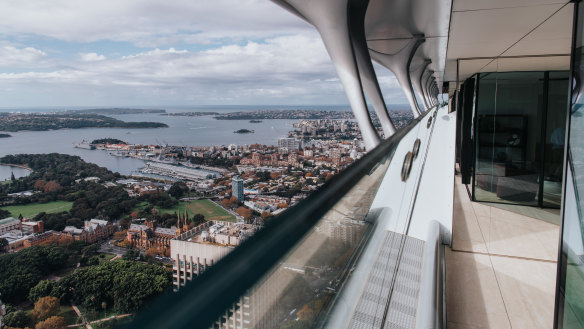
x=32 y=209
x=207 y=208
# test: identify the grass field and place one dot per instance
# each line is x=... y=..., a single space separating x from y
x=30 y=210
x=207 y=208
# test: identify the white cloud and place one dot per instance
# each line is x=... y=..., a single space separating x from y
x=278 y=70
x=147 y=23
x=256 y=53
x=91 y=57
x=11 y=56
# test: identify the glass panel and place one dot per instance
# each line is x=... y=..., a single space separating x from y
x=571 y=275
x=485 y=182
x=555 y=134
x=508 y=133
x=300 y=290
x=304 y=288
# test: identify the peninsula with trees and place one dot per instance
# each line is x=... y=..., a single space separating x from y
x=108 y=140
x=55 y=121
x=5 y=135
x=117 y=111
x=244 y=131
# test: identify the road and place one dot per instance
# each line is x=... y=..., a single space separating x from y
x=109 y=248
x=84 y=323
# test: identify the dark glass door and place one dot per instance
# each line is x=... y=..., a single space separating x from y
x=508 y=134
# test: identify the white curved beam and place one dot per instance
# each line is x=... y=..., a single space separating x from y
x=427 y=87
x=330 y=17
x=357 y=10
x=417 y=75
x=418 y=82
x=399 y=64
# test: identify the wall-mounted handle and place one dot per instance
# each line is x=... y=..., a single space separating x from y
x=407 y=166
x=416 y=148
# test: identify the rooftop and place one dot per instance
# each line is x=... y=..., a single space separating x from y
x=8 y=220
x=208 y=231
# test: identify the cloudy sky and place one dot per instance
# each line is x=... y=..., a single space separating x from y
x=164 y=53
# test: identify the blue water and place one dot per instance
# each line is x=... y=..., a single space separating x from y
x=6 y=172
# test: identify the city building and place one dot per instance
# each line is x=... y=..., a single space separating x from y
x=151 y=235
x=15 y=240
x=40 y=239
x=9 y=224
x=237 y=188
x=286 y=145
x=93 y=230
x=197 y=249
x=32 y=227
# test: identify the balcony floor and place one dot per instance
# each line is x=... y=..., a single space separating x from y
x=501 y=270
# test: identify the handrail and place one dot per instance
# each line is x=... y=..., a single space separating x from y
x=205 y=299
x=431 y=301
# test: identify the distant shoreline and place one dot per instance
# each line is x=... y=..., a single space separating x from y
x=57 y=121
x=191 y=108
x=16 y=165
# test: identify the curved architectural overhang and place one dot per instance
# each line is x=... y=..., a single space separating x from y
x=407 y=37
x=390 y=25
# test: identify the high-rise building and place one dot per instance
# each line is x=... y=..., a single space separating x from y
x=237 y=188
x=195 y=250
x=289 y=144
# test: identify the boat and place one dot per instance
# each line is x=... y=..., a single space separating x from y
x=85 y=145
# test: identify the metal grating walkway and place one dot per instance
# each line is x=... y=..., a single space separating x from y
x=373 y=306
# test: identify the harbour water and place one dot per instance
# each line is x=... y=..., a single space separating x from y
x=182 y=130
x=7 y=171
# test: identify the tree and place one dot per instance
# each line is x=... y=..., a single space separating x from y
x=52 y=186
x=131 y=254
x=120 y=235
x=44 y=308
x=42 y=289
x=21 y=271
x=4 y=213
x=3 y=244
x=54 y=322
x=301 y=324
x=17 y=319
x=39 y=185
x=244 y=212
x=306 y=313
x=153 y=251
x=198 y=219
x=12 y=178
x=226 y=203
x=125 y=286
x=178 y=189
